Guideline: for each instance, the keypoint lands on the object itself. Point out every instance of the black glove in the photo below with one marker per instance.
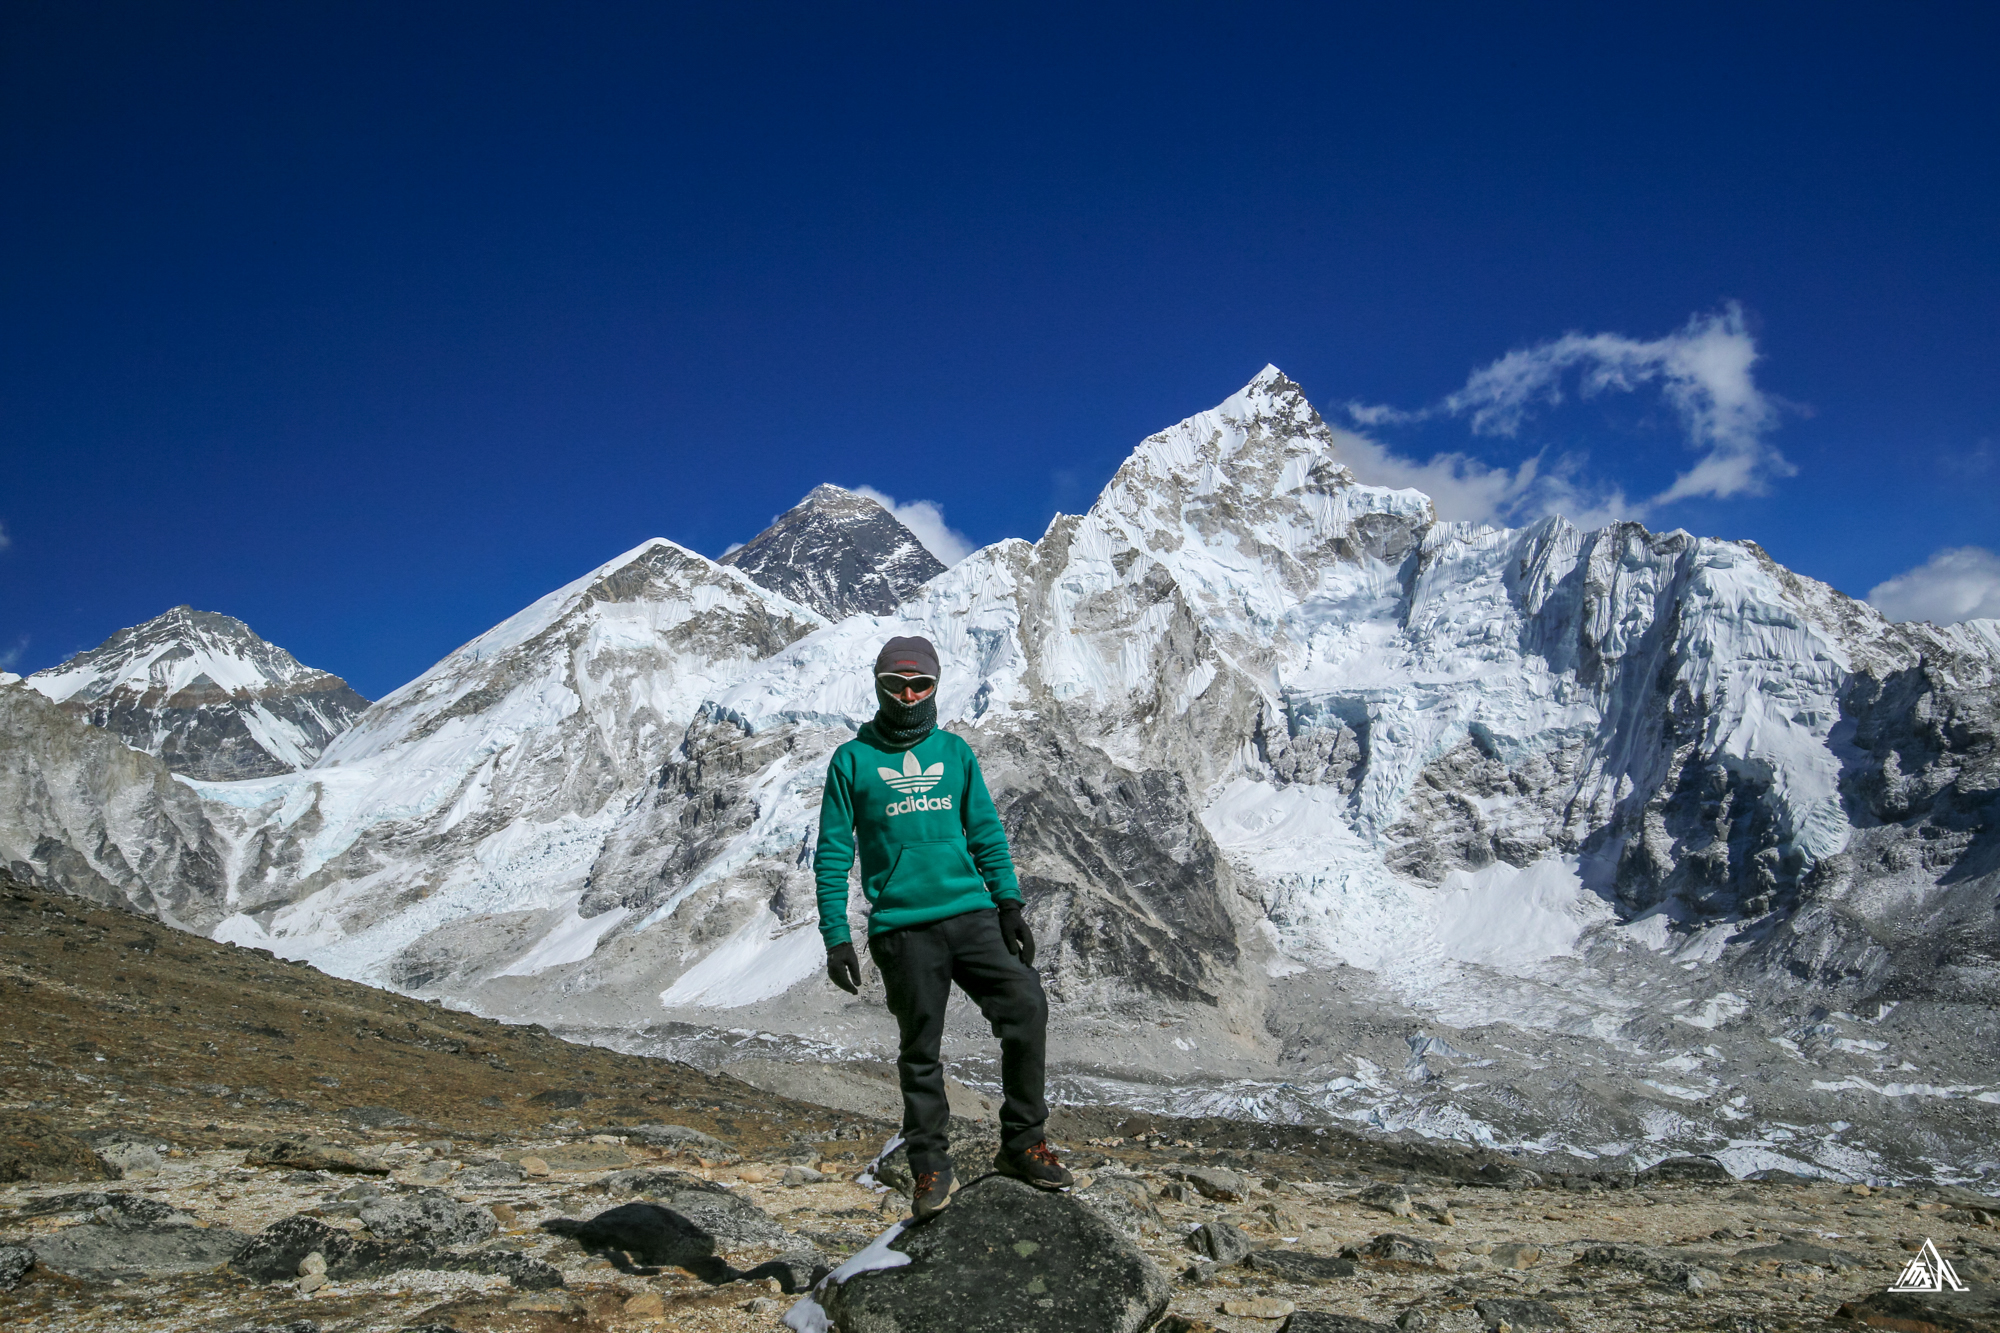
(843, 969)
(1014, 930)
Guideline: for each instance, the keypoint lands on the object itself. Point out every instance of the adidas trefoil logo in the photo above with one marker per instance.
(913, 778)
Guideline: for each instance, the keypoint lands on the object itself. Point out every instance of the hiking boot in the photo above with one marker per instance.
(933, 1192)
(1038, 1165)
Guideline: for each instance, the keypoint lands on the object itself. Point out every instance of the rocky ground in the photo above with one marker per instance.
(197, 1137)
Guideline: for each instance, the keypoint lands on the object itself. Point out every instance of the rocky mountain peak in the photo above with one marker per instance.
(205, 693)
(839, 553)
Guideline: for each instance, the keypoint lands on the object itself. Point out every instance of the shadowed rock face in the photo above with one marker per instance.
(839, 553)
(204, 693)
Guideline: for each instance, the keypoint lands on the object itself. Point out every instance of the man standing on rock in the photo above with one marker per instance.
(944, 906)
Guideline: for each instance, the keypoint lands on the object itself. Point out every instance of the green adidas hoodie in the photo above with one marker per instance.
(931, 841)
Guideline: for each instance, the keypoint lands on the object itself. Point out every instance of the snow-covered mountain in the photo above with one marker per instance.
(204, 693)
(838, 553)
(1620, 841)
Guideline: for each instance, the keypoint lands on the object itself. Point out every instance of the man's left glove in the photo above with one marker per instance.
(843, 969)
(1015, 933)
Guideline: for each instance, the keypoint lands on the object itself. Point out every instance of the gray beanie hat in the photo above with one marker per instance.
(910, 656)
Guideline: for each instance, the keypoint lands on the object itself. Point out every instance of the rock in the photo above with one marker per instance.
(1508, 1177)
(1515, 1255)
(1006, 1258)
(1258, 1307)
(129, 1155)
(1686, 1170)
(1180, 1323)
(311, 1282)
(377, 1117)
(571, 1157)
(312, 1155)
(135, 1249)
(971, 1157)
(32, 1148)
(524, 1273)
(427, 1217)
(493, 1171)
(655, 1180)
(646, 1303)
(1974, 1311)
(15, 1261)
(1124, 1202)
(1220, 1241)
(1801, 1252)
(795, 1272)
(312, 1263)
(674, 1136)
(1514, 1313)
(434, 1172)
(1396, 1248)
(275, 1253)
(1319, 1321)
(801, 1175)
(1675, 1272)
(561, 1099)
(112, 1209)
(1391, 1199)
(1215, 1182)
(1299, 1266)
(533, 1166)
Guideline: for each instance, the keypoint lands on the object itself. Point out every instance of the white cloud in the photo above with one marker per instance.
(13, 655)
(1958, 583)
(925, 520)
(1703, 370)
(1463, 489)
(5, 540)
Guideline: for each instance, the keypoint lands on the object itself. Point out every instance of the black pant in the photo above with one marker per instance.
(918, 965)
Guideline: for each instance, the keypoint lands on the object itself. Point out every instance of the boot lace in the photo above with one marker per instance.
(928, 1181)
(1043, 1155)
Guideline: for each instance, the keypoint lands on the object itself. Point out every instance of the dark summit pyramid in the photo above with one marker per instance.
(839, 553)
(206, 694)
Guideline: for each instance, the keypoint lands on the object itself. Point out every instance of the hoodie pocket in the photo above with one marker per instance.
(926, 874)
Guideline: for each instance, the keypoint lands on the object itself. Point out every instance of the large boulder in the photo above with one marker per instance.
(427, 1217)
(15, 1261)
(684, 1223)
(1005, 1258)
(1125, 1203)
(102, 1251)
(274, 1255)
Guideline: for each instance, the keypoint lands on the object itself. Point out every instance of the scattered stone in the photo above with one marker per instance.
(427, 1217)
(434, 1172)
(15, 1261)
(674, 1136)
(275, 1253)
(1673, 1170)
(571, 1157)
(1215, 1182)
(1180, 1323)
(32, 1148)
(533, 1166)
(1299, 1266)
(1319, 1321)
(795, 1272)
(1258, 1307)
(488, 1173)
(376, 1117)
(1391, 1199)
(1395, 1248)
(312, 1155)
(112, 1209)
(1006, 1258)
(1221, 1242)
(801, 1175)
(127, 1153)
(1123, 1201)
(311, 1264)
(1499, 1312)
(1675, 1272)
(135, 1249)
(645, 1303)
(562, 1099)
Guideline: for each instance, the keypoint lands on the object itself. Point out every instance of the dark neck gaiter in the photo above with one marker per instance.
(902, 725)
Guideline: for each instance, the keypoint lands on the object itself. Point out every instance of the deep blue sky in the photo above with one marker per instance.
(371, 323)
